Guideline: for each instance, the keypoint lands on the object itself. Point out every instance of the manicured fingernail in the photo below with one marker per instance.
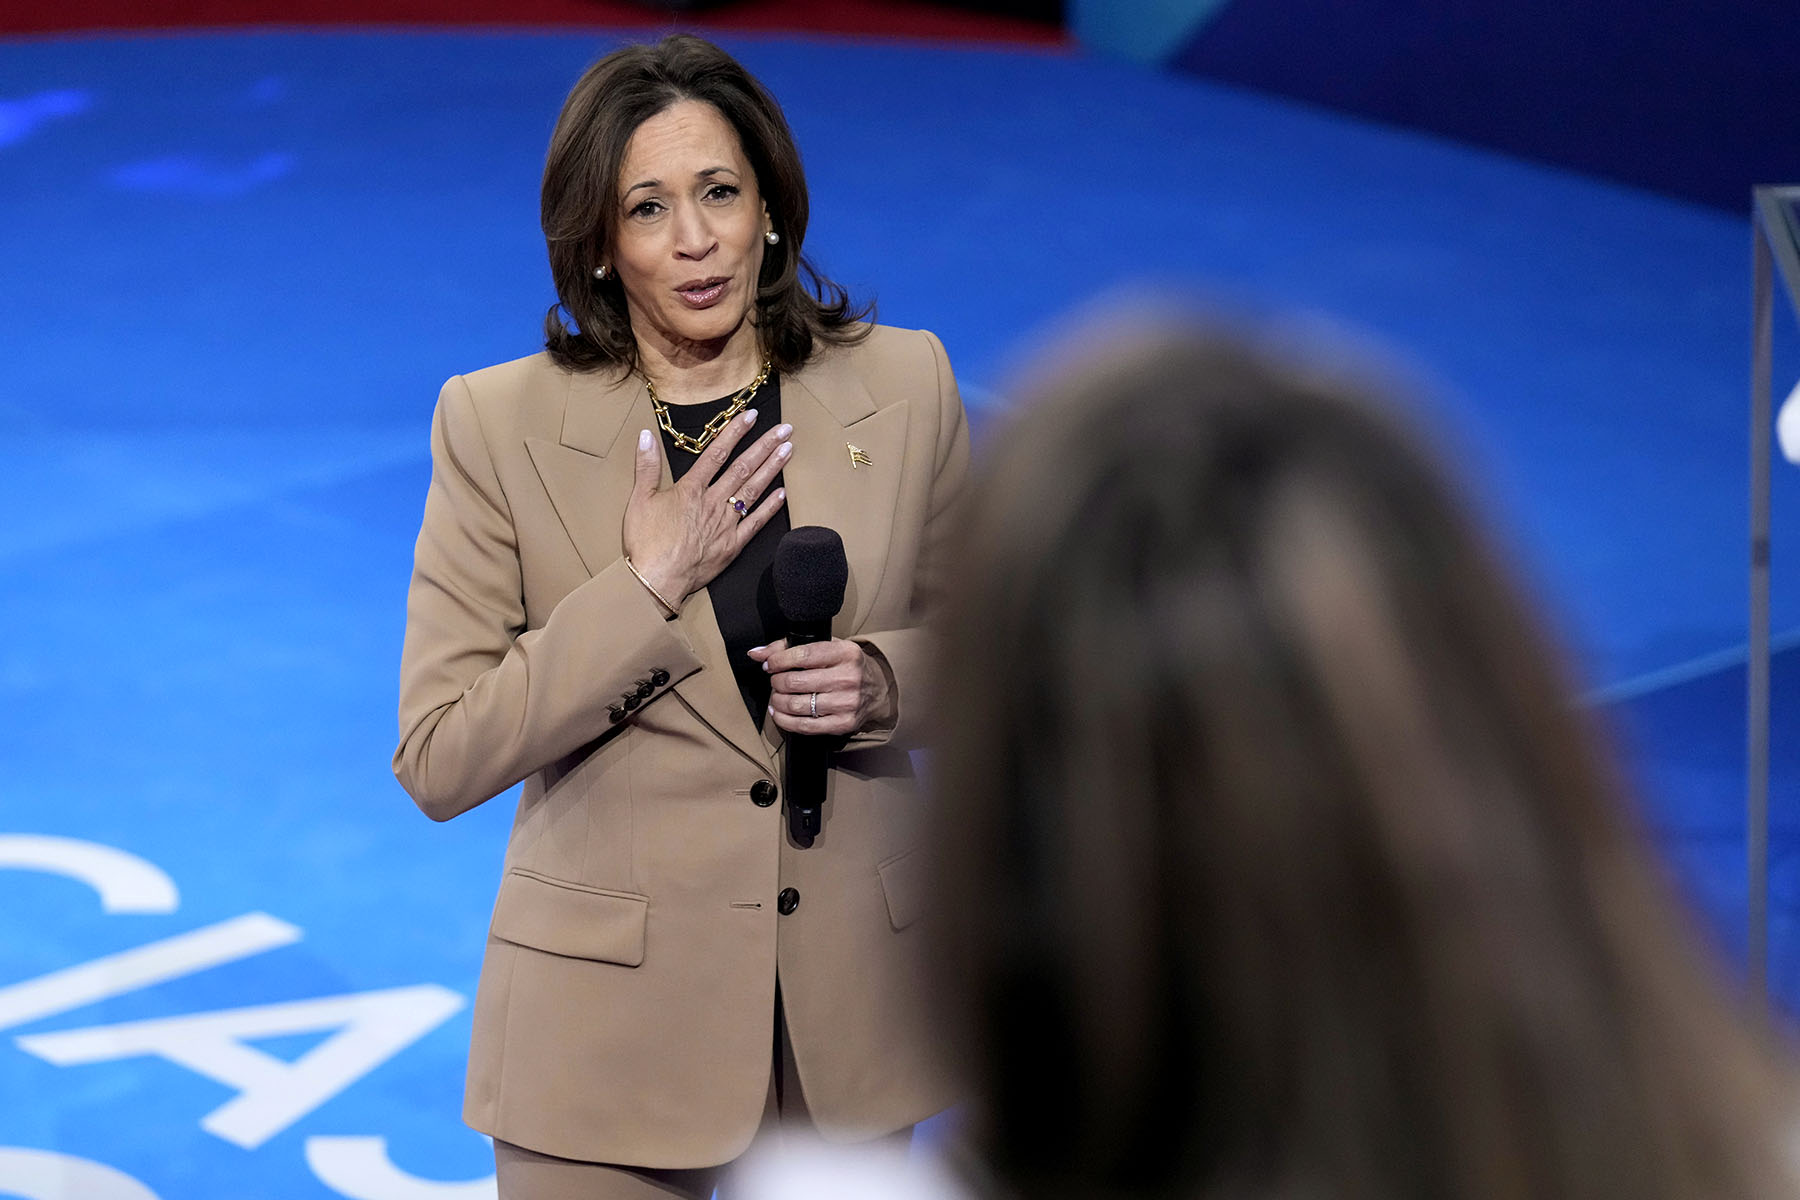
(757, 649)
(750, 417)
(765, 665)
(784, 431)
(785, 449)
(643, 439)
(781, 493)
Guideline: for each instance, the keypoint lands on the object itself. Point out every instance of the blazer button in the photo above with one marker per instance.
(659, 677)
(631, 701)
(645, 690)
(763, 793)
(788, 901)
(616, 712)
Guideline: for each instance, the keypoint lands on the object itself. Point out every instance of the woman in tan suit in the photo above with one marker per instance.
(590, 613)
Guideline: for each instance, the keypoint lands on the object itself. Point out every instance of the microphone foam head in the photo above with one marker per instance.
(810, 574)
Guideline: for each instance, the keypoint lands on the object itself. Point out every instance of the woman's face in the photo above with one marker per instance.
(689, 241)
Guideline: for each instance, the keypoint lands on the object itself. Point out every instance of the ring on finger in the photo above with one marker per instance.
(815, 704)
(738, 507)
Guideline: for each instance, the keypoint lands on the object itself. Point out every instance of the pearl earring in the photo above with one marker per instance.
(771, 237)
(600, 271)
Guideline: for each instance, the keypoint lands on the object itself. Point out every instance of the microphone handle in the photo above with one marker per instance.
(807, 757)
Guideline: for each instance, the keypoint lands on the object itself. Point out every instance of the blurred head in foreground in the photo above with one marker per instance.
(1285, 865)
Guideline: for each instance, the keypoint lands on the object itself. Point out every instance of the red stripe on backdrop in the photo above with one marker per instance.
(903, 18)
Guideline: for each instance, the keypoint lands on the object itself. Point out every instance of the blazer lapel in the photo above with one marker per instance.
(845, 471)
(588, 475)
(588, 470)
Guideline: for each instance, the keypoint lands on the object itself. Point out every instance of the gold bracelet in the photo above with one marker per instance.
(673, 611)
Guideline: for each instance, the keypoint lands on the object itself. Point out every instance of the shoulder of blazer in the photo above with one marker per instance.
(534, 372)
(894, 364)
(528, 397)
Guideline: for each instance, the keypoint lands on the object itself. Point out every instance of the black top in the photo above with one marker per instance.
(743, 594)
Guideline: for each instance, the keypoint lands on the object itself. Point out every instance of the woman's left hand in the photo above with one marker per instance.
(849, 687)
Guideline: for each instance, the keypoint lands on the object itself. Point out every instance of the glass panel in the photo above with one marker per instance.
(1781, 222)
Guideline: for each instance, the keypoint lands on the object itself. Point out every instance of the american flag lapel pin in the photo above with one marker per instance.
(858, 457)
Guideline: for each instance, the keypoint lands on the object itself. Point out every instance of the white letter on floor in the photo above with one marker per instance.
(130, 970)
(125, 882)
(47, 1175)
(272, 1093)
(359, 1167)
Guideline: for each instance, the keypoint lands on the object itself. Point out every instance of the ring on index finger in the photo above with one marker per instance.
(738, 507)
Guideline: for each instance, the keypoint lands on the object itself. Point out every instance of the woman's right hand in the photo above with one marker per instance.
(679, 538)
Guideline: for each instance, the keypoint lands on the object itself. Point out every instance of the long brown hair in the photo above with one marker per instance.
(796, 306)
(1283, 865)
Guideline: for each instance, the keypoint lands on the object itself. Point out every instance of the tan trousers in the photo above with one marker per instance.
(527, 1175)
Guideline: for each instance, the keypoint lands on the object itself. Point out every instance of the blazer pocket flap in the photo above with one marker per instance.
(906, 883)
(571, 919)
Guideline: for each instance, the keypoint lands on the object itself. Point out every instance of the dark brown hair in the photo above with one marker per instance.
(796, 306)
(1283, 864)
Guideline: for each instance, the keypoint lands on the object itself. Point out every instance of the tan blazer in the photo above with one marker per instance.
(625, 1010)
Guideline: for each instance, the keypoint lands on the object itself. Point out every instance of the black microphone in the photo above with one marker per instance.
(809, 574)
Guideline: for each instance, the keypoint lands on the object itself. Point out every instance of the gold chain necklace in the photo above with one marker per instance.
(694, 445)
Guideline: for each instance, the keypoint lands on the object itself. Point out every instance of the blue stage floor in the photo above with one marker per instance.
(235, 271)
